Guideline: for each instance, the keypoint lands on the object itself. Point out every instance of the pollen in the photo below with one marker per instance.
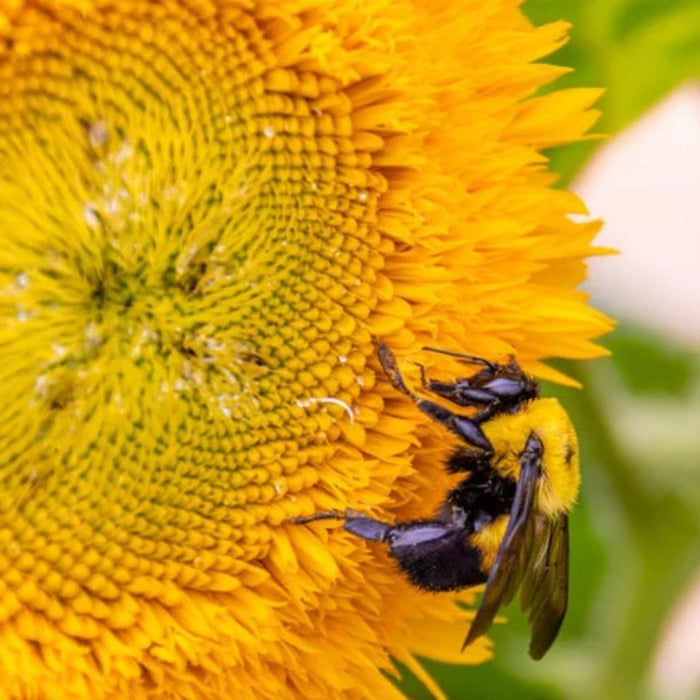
(210, 213)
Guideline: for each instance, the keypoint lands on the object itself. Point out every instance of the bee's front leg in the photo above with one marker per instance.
(467, 429)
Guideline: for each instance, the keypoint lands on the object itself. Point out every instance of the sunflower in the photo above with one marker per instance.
(210, 212)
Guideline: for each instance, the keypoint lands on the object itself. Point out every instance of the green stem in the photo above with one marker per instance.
(663, 534)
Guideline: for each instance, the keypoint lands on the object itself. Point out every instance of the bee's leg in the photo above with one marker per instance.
(460, 392)
(434, 554)
(502, 385)
(368, 528)
(361, 525)
(391, 369)
(465, 428)
(447, 390)
(493, 389)
(407, 533)
(481, 389)
(323, 515)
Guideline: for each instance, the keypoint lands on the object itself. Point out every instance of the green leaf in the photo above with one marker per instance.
(639, 50)
(651, 365)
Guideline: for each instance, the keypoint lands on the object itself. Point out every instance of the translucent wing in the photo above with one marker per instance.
(513, 559)
(533, 556)
(546, 584)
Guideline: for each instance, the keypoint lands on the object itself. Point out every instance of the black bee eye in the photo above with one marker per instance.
(569, 452)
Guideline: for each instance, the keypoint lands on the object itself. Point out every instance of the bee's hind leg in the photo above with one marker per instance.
(361, 525)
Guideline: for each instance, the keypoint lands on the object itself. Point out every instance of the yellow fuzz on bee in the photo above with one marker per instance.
(546, 418)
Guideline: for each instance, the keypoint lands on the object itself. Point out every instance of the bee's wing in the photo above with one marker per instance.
(512, 559)
(545, 586)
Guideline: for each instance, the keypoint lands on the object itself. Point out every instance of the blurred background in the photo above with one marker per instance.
(633, 626)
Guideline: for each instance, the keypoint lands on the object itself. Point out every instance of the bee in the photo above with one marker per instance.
(506, 523)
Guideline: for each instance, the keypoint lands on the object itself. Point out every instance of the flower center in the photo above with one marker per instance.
(188, 256)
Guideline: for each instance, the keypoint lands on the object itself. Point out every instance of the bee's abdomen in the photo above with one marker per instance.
(446, 564)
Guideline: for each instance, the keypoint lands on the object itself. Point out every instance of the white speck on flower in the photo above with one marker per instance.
(22, 280)
(171, 193)
(214, 345)
(342, 359)
(59, 351)
(148, 335)
(40, 385)
(92, 335)
(362, 195)
(112, 206)
(305, 403)
(90, 215)
(98, 133)
(186, 259)
(123, 154)
(22, 314)
(268, 132)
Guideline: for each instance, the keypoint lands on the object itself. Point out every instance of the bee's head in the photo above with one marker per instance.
(547, 418)
(560, 458)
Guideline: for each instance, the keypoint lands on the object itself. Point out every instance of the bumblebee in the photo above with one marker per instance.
(506, 523)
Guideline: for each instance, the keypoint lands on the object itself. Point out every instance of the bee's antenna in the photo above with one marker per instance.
(462, 357)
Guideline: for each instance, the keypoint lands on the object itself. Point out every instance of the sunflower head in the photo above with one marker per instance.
(210, 212)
